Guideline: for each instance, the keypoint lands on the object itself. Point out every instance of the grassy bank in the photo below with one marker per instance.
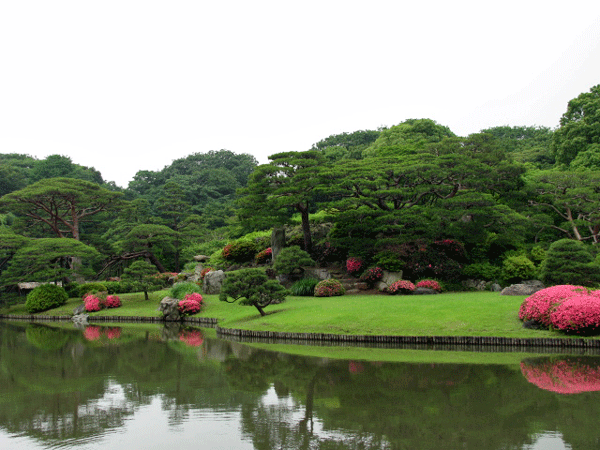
(448, 314)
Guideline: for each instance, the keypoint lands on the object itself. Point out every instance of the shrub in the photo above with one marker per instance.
(389, 260)
(401, 287)
(304, 287)
(92, 303)
(569, 262)
(191, 304)
(112, 301)
(291, 259)
(482, 271)
(86, 288)
(329, 288)
(45, 297)
(204, 271)
(264, 257)
(579, 314)
(239, 251)
(179, 290)
(430, 284)
(372, 275)
(540, 305)
(518, 268)
(354, 265)
(538, 254)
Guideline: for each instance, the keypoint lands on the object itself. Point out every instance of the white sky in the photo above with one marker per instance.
(128, 85)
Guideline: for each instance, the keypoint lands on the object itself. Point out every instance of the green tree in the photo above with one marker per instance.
(144, 273)
(57, 166)
(252, 287)
(579, 129)
(346, 145)
(569, 262)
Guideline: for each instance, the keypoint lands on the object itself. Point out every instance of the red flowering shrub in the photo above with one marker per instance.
(430, 284)
(353, 265)
(92, 333)
(239, 251)
(192, 338)
(204, 272)
(540, 305)
(112, 301)
(191, 304)
(264, 256)
(372, 275)
(329, 288)
(401, 287)
(92, 303)
(579, 314)
(564, 376)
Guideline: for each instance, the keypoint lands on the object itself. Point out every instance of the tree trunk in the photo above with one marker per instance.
(305, 227)
(260, 310)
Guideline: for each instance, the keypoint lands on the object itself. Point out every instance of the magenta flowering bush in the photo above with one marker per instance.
(430, 284)
(579, 314)
(329, 288)
(191, 304)
(353, 265)
(372, 275)
(564, 376)
(264, 256)
(112, 301)
(92, 303)
(540, 305)
(401, 287)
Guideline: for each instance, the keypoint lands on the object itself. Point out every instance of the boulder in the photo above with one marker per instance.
(495, 287)
(387, 279)
(277, 241)
(201, 258)
(424, 291)
(525, 288)
(474, 285)
(213, 281)
(169, 307)
(79, 310)
(80, 320)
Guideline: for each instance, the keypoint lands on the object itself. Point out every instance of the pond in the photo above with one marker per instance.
(151, 387)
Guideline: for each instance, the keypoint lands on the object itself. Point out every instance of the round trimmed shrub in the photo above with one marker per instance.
(539, 306)
(518, 268)
(112, 301)
(91, 287)
(329, 288)
(181, 289)
(354, 265)
(569, 262)
(240, 251)
(430, 284)
(304, 287)
(291, 259)
(401, 287)
(191, 304)
(579, 314)
(45, 297)
(372, 275)
(92, 303)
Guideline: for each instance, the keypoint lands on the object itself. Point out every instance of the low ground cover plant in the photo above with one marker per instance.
(181, 289)
(329, 288)
(304, 287)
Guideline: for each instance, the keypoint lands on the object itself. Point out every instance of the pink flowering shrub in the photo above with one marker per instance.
(191, 304)
(329, 288)
(112, 301)
(579, 314)
(564, 376)
(192, 338)
(264, 256)
(401, 287)
(372, 275)
(92, 303)
(354, 265)
(430, 284)
(540, 305)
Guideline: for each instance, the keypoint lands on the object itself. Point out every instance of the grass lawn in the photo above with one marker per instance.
(448, 314)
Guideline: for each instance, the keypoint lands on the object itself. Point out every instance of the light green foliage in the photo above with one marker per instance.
(291, 259)
(482, 271)
(538, 254)
(85, 288)
(304, 287)
(518, 268)
(144, 273)
(45, 297)
(252, 287)
(181, 289)
(346, 145)
(45, 337)
(569, 262)
(529, 145)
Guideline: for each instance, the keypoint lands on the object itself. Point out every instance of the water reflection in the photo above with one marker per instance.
(147, 386)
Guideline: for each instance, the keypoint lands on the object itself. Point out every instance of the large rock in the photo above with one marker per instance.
(387, 279)
(277, 242)
(424, 291)
(201, 258)
(169, 307)
(213, 281)
(525, 288)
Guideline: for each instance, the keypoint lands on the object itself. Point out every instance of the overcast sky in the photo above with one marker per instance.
(128, 85)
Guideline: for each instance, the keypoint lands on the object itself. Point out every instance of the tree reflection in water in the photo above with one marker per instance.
(60, 389)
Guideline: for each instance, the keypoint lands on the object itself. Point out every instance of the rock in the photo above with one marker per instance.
(474, 285)
(80, 320)
(525, 288)
(277, 241)
(79, 310)
(387, 279)
(316, 272)
(169, 308)
(424, 291)
(212, 282)
(201, 258)
(495, 287)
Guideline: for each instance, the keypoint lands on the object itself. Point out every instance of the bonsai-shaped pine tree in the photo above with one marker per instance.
(144, 273)
(252, 287)
(569, 262)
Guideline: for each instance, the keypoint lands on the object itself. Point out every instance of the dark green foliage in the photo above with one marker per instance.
(389, 260)
(304, 287)
(291, 259)
(252, 287)
(45, 297)
(569, 262)
(181, 289)
(482, 271)
(144, 273)
(240, 251)
(91, 287)
(122, 287)
(518, 268)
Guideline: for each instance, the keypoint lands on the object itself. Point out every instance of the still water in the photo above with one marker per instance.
(149, 387)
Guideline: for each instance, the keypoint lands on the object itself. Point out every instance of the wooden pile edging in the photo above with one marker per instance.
(204, 321)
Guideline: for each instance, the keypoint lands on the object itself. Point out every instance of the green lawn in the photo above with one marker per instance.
(449, 314)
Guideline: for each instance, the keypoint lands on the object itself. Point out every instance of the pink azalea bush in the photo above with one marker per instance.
(264, 256)
(372, 275)
(329, 288)
(92, 303)
(353, 265)
(401, 287)
(579, 314)
(112, 301)
(430, 284)
(565, 376)
(191, 304)
(540, 305)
